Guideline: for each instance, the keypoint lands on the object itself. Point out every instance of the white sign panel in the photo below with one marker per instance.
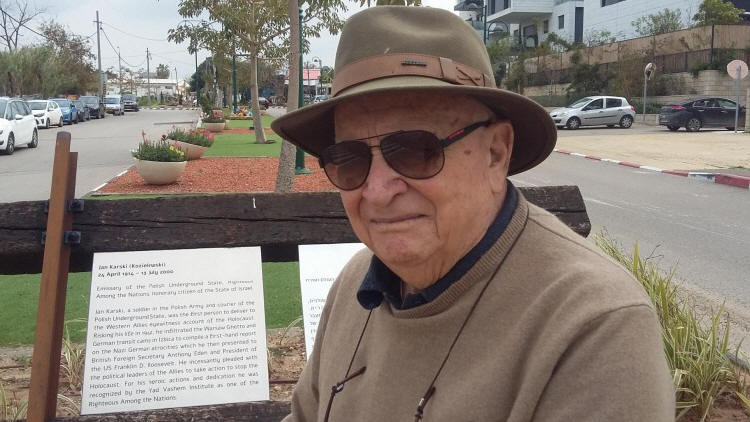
(175, 328)
(319, 265)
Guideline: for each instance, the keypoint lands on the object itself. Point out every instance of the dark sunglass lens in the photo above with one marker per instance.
(414, 154)
(347, 164)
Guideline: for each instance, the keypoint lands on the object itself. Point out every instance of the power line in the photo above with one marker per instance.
(133, 35)
(115, 50)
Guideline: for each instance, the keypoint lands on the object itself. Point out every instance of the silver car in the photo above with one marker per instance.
(595, 111)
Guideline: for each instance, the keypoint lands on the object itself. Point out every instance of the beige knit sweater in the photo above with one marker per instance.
(560, 334)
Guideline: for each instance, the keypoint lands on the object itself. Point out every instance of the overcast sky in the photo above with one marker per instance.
(135, 25)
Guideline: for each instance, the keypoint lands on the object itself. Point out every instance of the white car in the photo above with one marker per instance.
(113, 104)
(46, 113)
(17, 125)
(595, 111)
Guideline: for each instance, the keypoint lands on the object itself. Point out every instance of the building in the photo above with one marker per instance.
(532, 21)
(158, 88)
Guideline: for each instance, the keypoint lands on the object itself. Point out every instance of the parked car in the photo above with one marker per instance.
(95, 106)
(68, 109)
(46, 113)
(263, 102)
(17, 125)
(697, 113)
(129, 102)
(84, 114)
(595, 111)
(113, 104)
(320, 98)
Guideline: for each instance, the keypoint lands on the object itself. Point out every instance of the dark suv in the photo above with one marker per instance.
(129, 102)
(699, 113)
(95, 106)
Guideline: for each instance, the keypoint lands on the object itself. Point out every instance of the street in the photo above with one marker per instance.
(103, 148)
(702, 228)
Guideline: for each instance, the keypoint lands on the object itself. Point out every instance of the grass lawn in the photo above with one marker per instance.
(20, 298)
(243, 145)
(238, 124)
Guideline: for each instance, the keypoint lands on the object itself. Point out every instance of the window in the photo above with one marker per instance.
(595, 105)
(610, 2)
(700, 103)
(545, 26)
(614, 102)
(726, 104)
(26, 108)
(561, 22)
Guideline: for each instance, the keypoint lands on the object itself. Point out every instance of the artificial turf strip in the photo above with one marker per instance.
(243, 145)
(19, 302)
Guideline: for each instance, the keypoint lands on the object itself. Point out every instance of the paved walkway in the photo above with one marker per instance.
(705, 150)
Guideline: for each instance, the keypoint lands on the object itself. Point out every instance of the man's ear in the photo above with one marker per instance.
(501, 147)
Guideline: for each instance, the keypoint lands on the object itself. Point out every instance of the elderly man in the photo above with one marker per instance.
(470, 304)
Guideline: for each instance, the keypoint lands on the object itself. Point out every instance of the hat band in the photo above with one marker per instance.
(400, 64)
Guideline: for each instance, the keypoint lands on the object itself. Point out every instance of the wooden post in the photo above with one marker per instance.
(45, 364)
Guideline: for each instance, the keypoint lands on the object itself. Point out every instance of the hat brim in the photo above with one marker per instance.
(312, 127)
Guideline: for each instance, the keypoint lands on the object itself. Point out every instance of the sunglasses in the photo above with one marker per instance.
(416, 154)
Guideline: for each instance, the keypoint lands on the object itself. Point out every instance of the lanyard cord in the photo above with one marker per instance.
(340, 385)
(431, 388)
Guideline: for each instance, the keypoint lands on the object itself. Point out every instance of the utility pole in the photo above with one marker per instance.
(176, 84)
(99, 56)
(148, 76)
(119, 60)
(234, 82)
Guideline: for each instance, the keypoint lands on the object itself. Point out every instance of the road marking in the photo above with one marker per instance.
(609, 160)
(99, 187)
(652, 168)
(596, 201)
(577, 154)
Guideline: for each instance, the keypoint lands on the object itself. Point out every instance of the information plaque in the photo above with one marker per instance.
(175, 328)
(319, 265)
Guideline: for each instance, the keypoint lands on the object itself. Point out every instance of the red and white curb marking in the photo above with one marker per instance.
(720, 178)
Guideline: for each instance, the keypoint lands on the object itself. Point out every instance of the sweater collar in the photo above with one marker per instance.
(380, 282)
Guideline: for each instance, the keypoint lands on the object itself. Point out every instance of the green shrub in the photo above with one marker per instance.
(189, 137)
(651, 108)
(551, 100)
(160, 150)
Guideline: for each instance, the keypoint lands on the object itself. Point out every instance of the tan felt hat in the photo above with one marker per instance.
(407, 49)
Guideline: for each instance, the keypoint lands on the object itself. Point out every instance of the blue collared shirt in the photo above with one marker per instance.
(380, 282)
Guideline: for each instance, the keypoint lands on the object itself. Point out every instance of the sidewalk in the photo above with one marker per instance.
(704, 151)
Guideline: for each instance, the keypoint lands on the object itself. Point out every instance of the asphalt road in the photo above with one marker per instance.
(701, 228)
(103, 151)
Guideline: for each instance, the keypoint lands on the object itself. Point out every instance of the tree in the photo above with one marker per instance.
(717, 12)
(162, 71)
(14, 17)
(587, 79)
(668, 20)
(74, 55)
(392, 2)
(258, 29)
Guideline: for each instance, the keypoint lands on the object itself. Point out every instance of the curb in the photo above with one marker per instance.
(720, 178)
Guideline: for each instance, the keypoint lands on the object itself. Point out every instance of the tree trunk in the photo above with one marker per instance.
(260, 136)
(285, 175)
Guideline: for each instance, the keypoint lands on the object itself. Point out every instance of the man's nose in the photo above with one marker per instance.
(383, 183)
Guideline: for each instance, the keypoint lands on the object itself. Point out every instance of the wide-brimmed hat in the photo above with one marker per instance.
(406, 49)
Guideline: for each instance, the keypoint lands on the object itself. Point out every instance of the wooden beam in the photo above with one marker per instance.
(276, 222)
(45, 363)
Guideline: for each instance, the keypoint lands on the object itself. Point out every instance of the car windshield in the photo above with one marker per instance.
(580, 103)
(111, 101)
(128, 97)
(62, 103)
(3, 103)
(78, 103)
(90, 100)
(38, 105)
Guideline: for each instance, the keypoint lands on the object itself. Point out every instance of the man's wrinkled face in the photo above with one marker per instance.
(435, 221)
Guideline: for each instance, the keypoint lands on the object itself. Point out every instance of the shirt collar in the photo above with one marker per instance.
(380, 282)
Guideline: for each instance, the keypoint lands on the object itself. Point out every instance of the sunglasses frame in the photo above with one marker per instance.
(444, 143)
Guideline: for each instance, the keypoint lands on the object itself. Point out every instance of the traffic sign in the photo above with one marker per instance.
(737, 69)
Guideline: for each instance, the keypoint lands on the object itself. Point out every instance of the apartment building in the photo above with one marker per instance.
(531, 21)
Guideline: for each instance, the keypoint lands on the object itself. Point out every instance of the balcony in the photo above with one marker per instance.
(523, 10)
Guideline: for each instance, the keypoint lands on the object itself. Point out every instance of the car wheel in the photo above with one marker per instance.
(11, 145)
(74, 121)
(693, 125)
(46, 124)
(573, 123)
(626, 122)
(61, 122)
(673, 128)
(34, 140)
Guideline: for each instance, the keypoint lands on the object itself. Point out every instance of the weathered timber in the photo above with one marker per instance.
(276, 222)
(268, 411)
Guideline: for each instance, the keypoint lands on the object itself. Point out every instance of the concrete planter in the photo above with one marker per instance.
(159, 172)
(214, 127)
(193, 152)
